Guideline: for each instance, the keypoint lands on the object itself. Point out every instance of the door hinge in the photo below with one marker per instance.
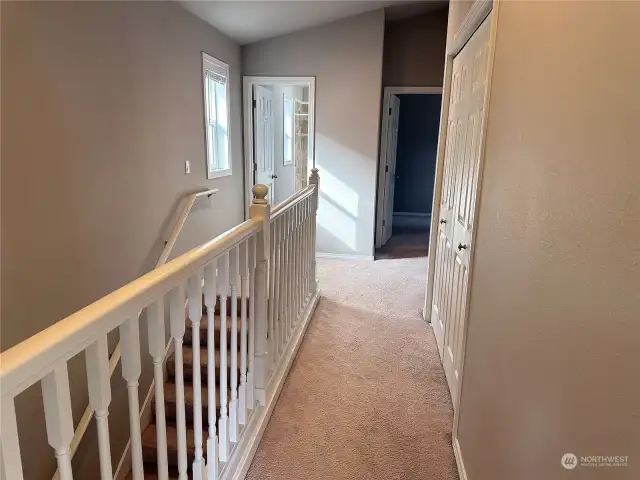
(386, 168)
(254, 103)
(390, 108)
(383, 223)
(255, 167)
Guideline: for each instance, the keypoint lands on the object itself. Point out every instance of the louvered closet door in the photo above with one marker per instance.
(462, 157)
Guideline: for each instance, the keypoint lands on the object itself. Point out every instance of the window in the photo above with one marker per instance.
(288, 131)
(216, 116)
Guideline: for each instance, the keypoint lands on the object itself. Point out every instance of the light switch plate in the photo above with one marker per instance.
(187, 167)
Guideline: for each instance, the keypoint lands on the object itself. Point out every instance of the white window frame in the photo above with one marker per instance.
(219, 67)
(285, 99)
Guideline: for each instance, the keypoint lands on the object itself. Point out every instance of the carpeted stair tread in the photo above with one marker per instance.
(170, 402)
(204, 327)
(187, 353)
(150, 445)
(217, 309)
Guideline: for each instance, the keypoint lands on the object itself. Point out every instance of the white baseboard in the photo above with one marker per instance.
(237, 467)
(462, 473)
(343, 256)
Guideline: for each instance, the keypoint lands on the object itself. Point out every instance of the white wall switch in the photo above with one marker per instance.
(187, 167)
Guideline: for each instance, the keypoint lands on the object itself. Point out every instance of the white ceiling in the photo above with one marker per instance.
(252, 21)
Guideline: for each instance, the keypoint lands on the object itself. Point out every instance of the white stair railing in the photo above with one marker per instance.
(256, 373)
(156, 354)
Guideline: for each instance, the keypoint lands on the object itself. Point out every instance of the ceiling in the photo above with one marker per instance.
(251, 21)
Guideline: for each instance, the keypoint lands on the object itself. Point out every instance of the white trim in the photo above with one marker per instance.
(476, 15)
(221, 68)
(343, 256)
(474, 18)
(237, 467)
(247, 114)
(457, 453)
(382, 158)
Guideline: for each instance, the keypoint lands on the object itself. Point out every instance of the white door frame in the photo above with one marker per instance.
(384, 133)
(474, 18)
(247, 113)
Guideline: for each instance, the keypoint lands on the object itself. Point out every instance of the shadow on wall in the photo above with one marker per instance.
(345, 220)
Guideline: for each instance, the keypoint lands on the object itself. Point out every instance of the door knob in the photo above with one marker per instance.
(462, 247)
(274, 176)
(442, 222)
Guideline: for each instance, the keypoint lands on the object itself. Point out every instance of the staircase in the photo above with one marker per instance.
(149, 435)
(243, 300)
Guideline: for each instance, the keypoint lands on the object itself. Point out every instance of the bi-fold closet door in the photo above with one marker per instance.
(458, 200)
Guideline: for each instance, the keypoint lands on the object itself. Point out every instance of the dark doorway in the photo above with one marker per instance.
(415, 173)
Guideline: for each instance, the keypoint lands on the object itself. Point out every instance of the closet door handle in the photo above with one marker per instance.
(462, 247)
(274, 176)
(442, 222)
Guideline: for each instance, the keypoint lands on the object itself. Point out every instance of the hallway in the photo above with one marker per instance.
(366, 397)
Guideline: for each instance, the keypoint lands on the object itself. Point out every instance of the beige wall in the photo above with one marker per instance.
(553, 344)
(101, 106)
(346, 59)
(414, 51)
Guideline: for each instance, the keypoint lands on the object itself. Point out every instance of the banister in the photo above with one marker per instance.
(292, 200)
(114, 359)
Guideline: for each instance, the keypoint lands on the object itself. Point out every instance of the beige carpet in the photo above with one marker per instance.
(366, 397)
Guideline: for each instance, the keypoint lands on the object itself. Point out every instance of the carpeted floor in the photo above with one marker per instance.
(366, 397)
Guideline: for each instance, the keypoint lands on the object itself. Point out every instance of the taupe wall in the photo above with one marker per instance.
(553, 344)
(346, 59)
(101, 106)
(414, 51)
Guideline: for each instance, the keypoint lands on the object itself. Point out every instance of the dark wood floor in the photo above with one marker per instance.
(405, 243)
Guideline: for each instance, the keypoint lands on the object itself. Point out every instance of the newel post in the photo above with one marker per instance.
(314, 179)
(260, 209)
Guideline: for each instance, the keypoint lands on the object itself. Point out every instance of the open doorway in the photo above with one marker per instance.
(408, 150)
(278, 134)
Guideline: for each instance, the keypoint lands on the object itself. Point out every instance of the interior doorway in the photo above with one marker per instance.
(408, 153)
(279, 134)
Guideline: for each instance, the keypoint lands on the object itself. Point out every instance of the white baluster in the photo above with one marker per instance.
(58, 417)
(314, 178)
(156, 334)
(310, 254)
(194, 294)
(305, 254)
(210, 284)
(260, 209)
(294, 261)
(272, 333)
(298, 260)
(289, 279)
(223, 422)
(277, 272)
(10, 446)
(233, 404)
(286, 263)
(242, 391)
(131, 369)
(178, 327)
(99, 383)
(251, 399)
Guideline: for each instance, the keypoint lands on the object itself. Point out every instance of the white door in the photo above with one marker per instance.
(457, 209)
(390, 168)
(264, 139)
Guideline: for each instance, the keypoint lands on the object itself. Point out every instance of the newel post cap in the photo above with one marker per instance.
(260, 193)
